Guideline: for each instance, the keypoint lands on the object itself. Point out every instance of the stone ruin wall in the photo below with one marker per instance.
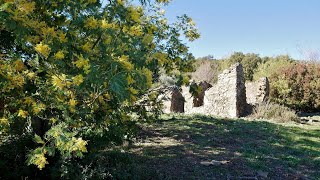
(229, 97)
(258, 91)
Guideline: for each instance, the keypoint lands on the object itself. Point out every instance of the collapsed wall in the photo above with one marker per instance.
(227, 98)
(258, 91)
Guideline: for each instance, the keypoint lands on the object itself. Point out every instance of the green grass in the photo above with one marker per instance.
(173, 147)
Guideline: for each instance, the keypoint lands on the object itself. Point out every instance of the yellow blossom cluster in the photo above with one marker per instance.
(62, 37)
(77, 80)
(106, 25)
(16, 80)
(59, 81)
(31, 75)
(53, 120)
(11, 70)
(59, 55)
(148, 75)
(26, 6)
(48, 32)
(73, 102)
(38, 107)
(134, 14)
(43, 49)
(133, 93)
(28, 100)
(124, 60)
(121, 2)
(33, 39)
(83, 63)
(23, 113)
(133, 30)
(40, 160)
(72, 105)
(161, 57)
(72, 145)
(91, 23)
(4, 121)
(79, 145)
(130, 80)
(87, 47)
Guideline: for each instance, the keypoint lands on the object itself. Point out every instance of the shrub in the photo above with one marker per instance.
(270, 66)
(272, 111)
(297, 86)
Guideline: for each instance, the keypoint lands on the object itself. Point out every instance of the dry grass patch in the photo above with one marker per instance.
(273, 111)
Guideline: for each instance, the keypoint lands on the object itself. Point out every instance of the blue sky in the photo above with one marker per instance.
(265, 27)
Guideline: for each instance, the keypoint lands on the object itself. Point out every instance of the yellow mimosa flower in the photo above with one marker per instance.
(87, 47)
(59, 81)
(27, 7)
(4, 121)
(37, 108)
(81, 144)
(22, 113)
(43, 49)
(73, 102)
(91, 23)
(77, 80)
(40, 161)
(59, 55)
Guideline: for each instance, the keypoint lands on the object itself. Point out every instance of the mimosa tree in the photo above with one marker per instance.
(73, 70)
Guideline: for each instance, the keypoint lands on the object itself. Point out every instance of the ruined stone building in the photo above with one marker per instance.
(230, 97)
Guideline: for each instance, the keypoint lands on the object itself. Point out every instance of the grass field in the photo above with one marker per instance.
(175, 146)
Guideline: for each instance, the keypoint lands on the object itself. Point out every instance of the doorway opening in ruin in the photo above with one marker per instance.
(199, 96)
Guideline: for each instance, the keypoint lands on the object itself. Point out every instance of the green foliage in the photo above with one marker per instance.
(270, 66)
(249, 62)
(72, 71)
(195, 89)
(254, 66)
(297, 86)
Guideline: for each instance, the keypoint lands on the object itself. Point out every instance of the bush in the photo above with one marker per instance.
(297, 86)
(276, 112)
(270, 66)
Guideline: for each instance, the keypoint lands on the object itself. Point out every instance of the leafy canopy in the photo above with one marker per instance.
(80, 68)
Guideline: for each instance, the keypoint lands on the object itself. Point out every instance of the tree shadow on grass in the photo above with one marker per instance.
(173, 149)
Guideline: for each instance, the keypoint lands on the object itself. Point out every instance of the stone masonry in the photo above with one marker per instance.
(229, 97)
(258, 92)
(177, 101)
